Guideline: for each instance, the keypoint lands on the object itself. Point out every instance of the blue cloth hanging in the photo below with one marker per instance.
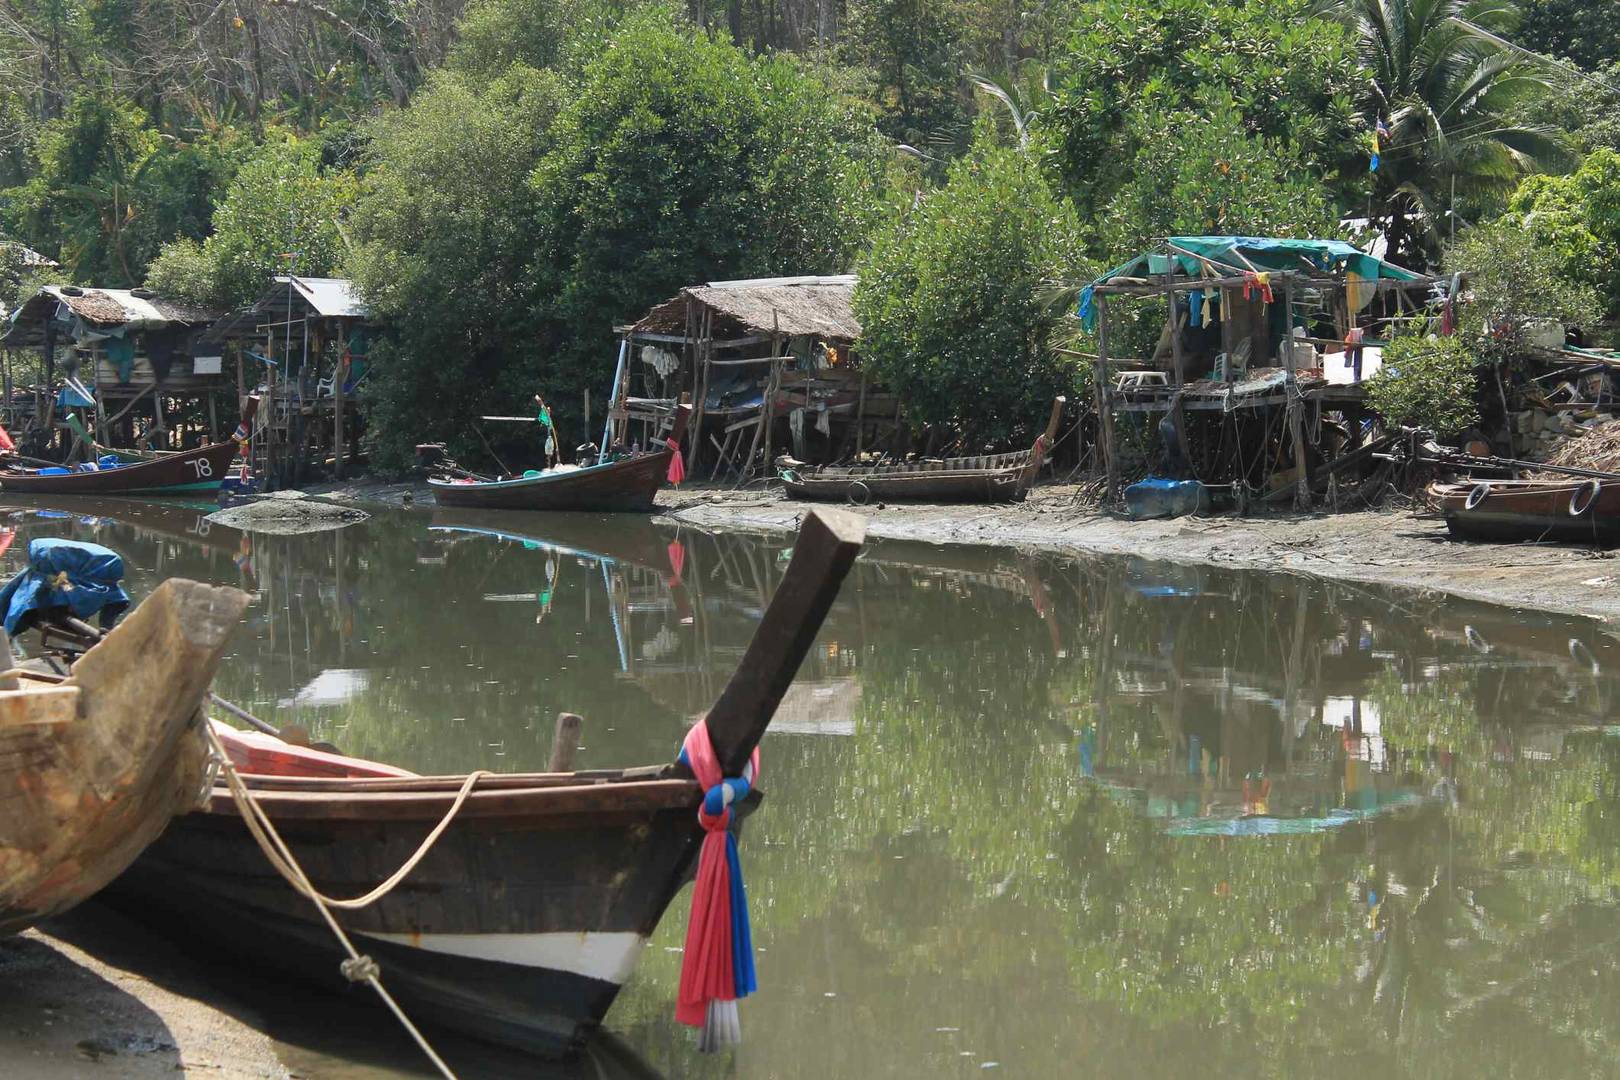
(82, 578)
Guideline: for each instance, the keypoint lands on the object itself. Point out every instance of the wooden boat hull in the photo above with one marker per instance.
(198, 470)
(873, 486)
(531, 956)
(992, 478)
(93, 770)
(1578, 511)
(526, 916)
(627, 486)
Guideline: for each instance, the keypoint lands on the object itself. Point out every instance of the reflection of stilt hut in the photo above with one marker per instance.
(306, 340)
(768, 362)
(1259, 364)
(125, 363)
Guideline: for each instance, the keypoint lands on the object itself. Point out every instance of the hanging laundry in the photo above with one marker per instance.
(1358, 291)
(1380, 133)
(1087, 311)
(121, 351)
(1254, 282)
(161, 346)
(1211, 314)
(1195, 308)
(1352, 350)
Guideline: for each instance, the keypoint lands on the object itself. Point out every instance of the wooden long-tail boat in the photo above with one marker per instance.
(522, 922)
(986, 478)
(1580, 510)
(92, 769)
(199, 470)
(628, 484)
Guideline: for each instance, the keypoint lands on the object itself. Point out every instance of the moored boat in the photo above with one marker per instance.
(627, 484)
(522, 921)
(94, 766)
(1579, 510)
(121, 473)
(985, 478)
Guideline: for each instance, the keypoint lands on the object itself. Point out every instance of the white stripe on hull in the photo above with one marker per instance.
(610, 957)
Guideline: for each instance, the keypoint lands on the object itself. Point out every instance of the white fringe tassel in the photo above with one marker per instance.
(721, 1028)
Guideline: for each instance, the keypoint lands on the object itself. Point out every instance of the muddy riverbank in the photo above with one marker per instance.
(1406, 546)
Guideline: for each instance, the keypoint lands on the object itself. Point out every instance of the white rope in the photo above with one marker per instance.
(358, 967)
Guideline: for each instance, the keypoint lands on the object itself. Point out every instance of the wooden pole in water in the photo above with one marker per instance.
(565, 742)
(1296, 404)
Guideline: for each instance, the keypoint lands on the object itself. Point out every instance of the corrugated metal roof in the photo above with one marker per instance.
(103, 309)
(330, 298)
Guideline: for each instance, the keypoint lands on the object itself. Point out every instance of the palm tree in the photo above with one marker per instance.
(1447, 87)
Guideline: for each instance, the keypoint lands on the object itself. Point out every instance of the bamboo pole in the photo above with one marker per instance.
(1106, 406)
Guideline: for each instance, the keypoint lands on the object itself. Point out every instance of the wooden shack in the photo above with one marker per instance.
(768, 362)
(129, 364)
(303, 345)
(1257, 372)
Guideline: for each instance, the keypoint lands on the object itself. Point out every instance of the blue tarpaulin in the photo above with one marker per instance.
(82, 579)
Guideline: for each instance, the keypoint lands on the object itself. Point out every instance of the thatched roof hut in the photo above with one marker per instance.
(790, 306)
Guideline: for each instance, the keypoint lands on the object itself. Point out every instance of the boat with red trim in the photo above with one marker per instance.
(520, 924)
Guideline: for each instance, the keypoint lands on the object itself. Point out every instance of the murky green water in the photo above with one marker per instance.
(1027, 815)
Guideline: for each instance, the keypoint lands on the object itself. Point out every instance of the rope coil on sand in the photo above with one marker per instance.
(358, 967)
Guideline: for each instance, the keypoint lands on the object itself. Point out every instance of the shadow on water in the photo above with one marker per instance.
(1039, 813)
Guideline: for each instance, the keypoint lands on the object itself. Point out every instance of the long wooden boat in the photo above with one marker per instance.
(94, 768)
(1585, 511)
(629, 484)
(526, 917)
(199, 470)
(986, 478)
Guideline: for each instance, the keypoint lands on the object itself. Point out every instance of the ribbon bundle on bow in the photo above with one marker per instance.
(718, 966)
(677, 466)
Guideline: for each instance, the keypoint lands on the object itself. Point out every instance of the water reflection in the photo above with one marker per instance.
(1053, 815)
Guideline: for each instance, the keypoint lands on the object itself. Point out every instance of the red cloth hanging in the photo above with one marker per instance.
(677, 466)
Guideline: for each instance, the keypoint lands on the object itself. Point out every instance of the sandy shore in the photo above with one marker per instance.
(1404, 547)
(1393, 547)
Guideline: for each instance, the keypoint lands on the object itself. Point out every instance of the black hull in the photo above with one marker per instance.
(540, 1011)
(1517, 527)
(606, 876)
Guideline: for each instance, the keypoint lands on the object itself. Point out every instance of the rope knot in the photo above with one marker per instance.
(360, 969)
(715, 813)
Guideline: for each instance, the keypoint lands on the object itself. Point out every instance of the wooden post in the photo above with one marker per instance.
(213, 417)
(860, 417)
(95, 392)
(9, 659)
(340, 373)
(1296, 404)
(704, 350)
(823, 553)
(1105, 401)
(565, 743)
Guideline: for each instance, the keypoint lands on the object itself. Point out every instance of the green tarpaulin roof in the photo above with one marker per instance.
(1232, 255)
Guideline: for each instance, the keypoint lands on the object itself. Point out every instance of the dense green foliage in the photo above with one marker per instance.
(1517, 279)
(281, 213)
(1427, 382)
(505, 228)
(507, 179)
(1577, 217)
(1448, 96)
(950, 298)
